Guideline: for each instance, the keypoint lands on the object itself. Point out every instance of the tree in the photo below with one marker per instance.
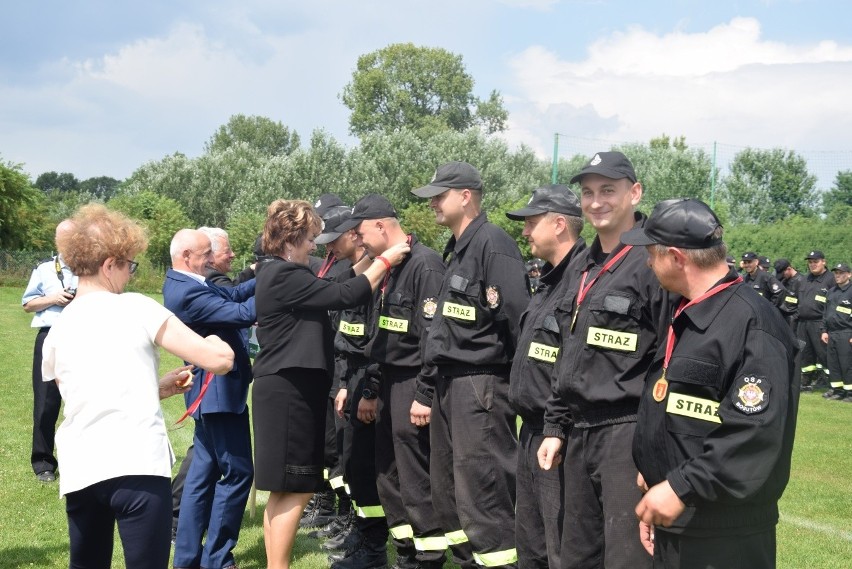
(420, 88)
(260, 133)
(840, 194)
(64, 182)
(102, 187)
(765, 186)
(20, 214)
(162, 217)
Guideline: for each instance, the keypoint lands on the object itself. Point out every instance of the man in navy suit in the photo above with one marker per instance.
(220, 476)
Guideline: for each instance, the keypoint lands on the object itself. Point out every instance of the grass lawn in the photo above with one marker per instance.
(815, 529)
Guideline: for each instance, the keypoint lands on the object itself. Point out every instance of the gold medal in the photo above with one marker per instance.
(661, 388)
(574, 318)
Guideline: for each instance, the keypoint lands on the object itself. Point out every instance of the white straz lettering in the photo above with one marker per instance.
(351, 329)
(819, 298)
(694, 407)
(393, 324)
(459, 311)
(624, 341)
(844, 310)
(543, 352)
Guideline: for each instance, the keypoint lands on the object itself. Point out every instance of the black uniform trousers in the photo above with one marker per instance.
(600, 497)
(839, 354)
(402, 465)
(750, 551)
(360, 465)
(46, 403)
(473, 460)
(814, 357)
(538, 511)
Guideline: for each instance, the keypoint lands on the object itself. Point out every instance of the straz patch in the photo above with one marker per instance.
(612, 339)
(751, 395)
(393, 324)
(693, 407)
(791, 300)
(430, 307)
(543, 352)
(843, 309)
(492, 296)
(351, 329)
(819, 298)
(459, 311)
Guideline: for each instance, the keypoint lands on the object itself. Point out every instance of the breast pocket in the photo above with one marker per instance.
(545, 342)
(396, 315)
(614, 324)
(461, 307)
(692, 403)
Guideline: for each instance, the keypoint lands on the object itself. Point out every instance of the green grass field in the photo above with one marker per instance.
(815, 529)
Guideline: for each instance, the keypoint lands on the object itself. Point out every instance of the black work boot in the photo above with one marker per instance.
(406, 558)
(344, 544)
(373, 554)
(322, 513)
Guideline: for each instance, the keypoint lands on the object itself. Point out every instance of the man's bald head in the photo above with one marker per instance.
(191, 251)
(65, 226)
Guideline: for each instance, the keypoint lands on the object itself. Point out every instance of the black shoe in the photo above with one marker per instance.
(806, 388)
(330, 529)
(837, 394)
(368, 556)
(322, 513)
(828, 394)
(46, 476)
(344, 544)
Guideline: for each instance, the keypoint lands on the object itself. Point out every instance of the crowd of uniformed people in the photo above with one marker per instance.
(628, 402)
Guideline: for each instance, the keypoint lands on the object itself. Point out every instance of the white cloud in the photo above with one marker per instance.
(533, 4)
(726, 84)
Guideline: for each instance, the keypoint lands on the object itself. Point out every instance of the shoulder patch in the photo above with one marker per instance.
(751, 394)
(430, 306)
(492, 296)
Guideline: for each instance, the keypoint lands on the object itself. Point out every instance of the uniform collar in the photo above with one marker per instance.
(457, 246)
(702, 314)
(594, 251)
(551, 275)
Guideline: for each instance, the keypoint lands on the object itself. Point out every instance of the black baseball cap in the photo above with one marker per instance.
(681, 222)
(371, 206)
(334, 217)
(750, 256)
(325, 202)
(451, 176)
(781, 265)
(763, 261)
(842, 267)
(613, 165)
(815, 254)
(554, 197)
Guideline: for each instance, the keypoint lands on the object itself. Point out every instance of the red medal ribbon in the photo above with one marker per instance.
(671, 340)
(195, 404)
(584, 288)
(326, 265)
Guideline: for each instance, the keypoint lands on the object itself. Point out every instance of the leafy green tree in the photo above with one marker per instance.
(102, 187)
(162, 217)
(840, 194)
(243, 229)
(420, 88)
(417, 218)
(64, 182)
(765, 186)
(269, 137)
(21, 216)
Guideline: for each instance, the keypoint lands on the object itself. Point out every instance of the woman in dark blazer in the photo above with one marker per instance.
(293, 371)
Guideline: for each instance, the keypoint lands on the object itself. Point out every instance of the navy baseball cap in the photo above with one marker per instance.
(750, 256)
(326, 202)
(554, 197)
(842, 267)
(815, 254)
(682, 222)
(613, 165)
(781, 265)
(371, 206)
(451, 176)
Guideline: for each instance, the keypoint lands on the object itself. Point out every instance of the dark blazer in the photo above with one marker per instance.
(294, 329)
(224, 312)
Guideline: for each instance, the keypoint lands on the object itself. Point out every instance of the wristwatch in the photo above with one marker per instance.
(368, 394)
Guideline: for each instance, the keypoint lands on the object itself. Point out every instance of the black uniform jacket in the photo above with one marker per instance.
(294, 329)
(484, 291)
(602, 363)
(539, 343)
(404, 313)
(791, 299)
(722, 431)
(768, 287)
(812, 295)
(838, 311)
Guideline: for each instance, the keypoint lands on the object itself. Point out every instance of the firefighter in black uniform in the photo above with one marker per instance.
(812, 297)
(612, 318)
(792, 281)
(837, 334)
(718, 413)
(472, 341)
(552, 224)
(762, 282)
(402, 315)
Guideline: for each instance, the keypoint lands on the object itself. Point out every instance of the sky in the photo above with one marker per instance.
(99, 88)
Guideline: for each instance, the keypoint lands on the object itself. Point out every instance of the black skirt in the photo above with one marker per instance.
(288, 414)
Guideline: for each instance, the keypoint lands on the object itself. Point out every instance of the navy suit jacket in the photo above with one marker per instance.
(213, 309)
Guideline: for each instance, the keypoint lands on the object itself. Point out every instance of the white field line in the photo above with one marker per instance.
(815, 526)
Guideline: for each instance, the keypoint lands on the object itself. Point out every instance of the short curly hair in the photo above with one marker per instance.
(289, 221)
(99, 233)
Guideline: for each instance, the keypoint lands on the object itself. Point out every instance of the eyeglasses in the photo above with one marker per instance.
(133, 266)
